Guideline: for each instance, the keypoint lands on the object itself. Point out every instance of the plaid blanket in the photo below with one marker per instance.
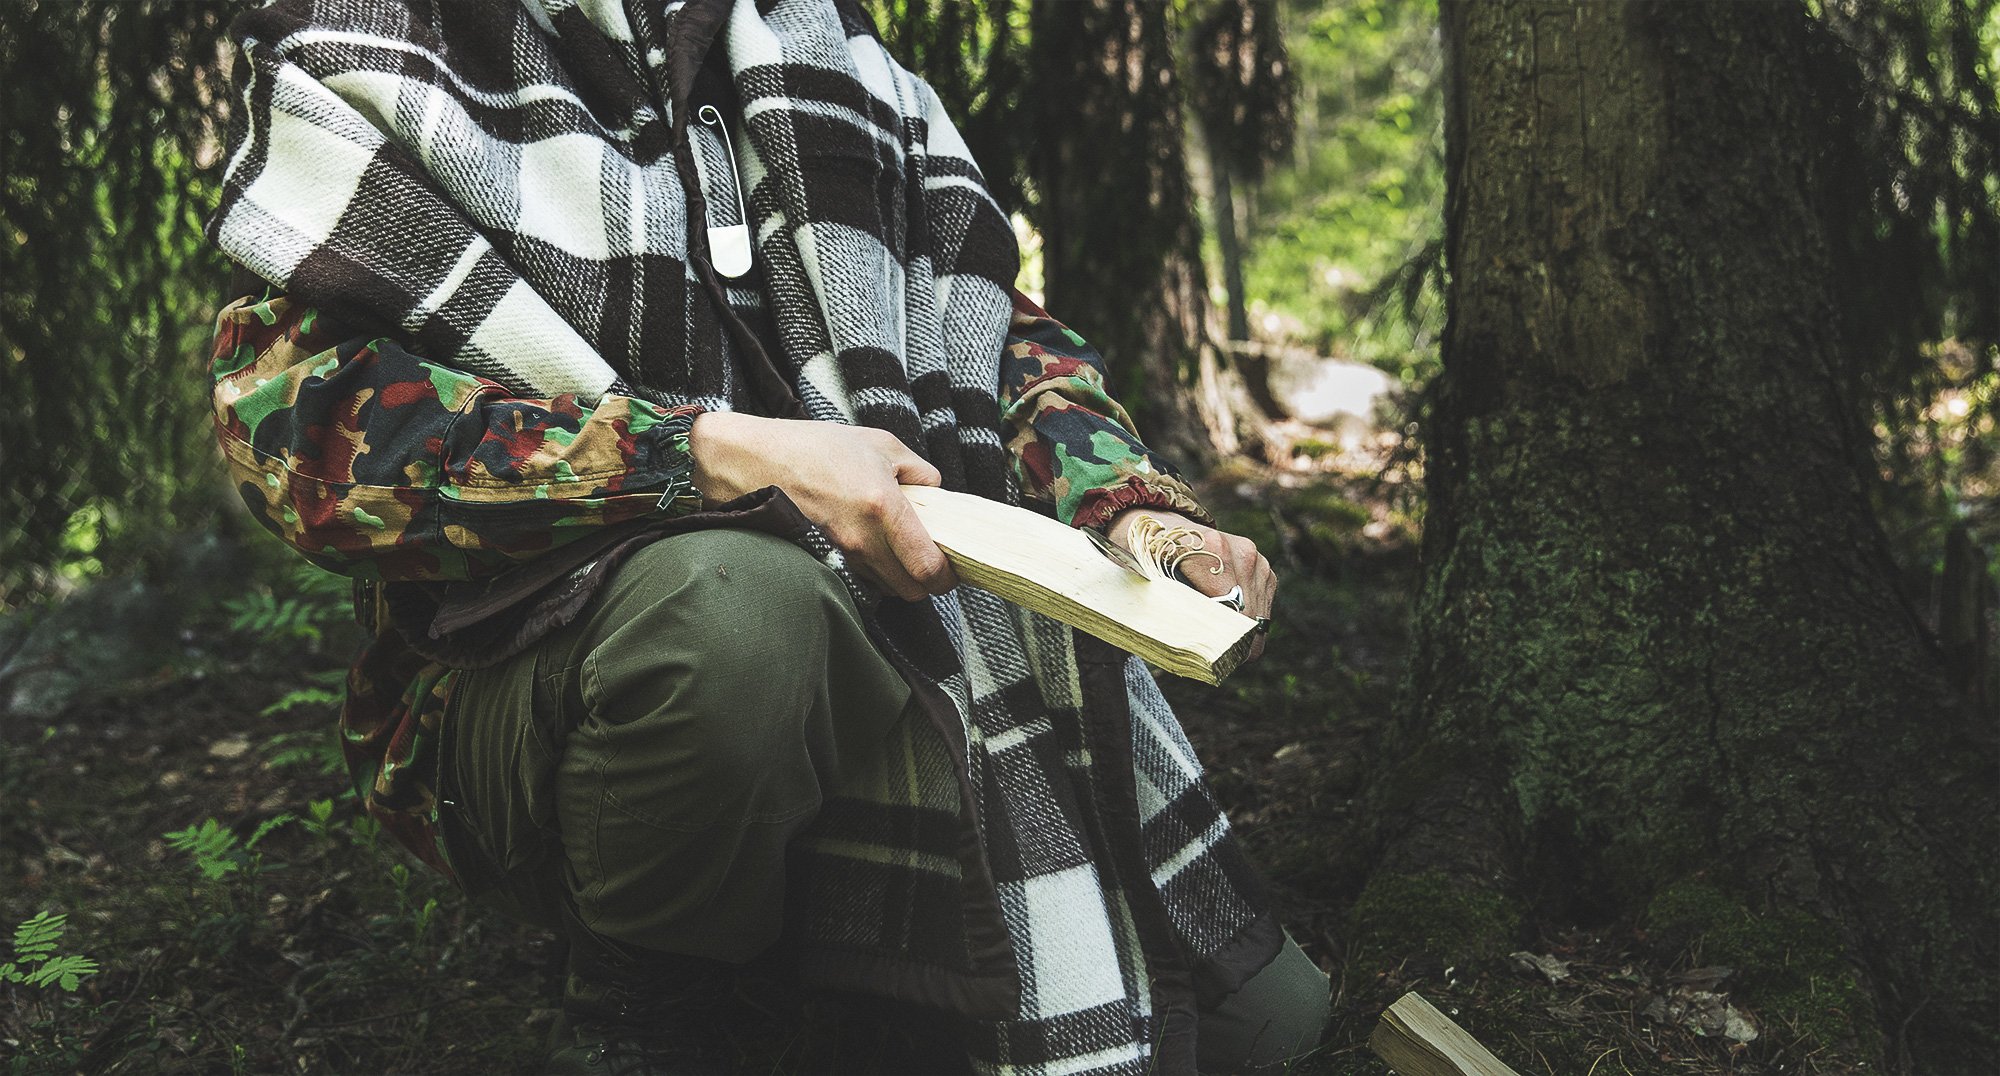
(520, 189)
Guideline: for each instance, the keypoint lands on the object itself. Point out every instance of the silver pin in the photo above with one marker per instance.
(728, 246)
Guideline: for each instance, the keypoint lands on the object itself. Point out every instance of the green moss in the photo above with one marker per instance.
(1790, 966)
(1251, 521)
(1430, 915)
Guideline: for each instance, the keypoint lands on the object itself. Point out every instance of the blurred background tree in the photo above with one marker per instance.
(110, 137)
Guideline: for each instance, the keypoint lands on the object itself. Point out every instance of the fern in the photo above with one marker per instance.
(36, 962)
(312, 598)
(258, 613)
(265, 827)
(328, 688)
(37, 938)
(212, 846)
(317, 749)
(216, 850)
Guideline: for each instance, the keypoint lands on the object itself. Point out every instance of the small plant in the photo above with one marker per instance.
(327, 687)
(236, 868)
(317, 598)
(216, 850)
(36, 962)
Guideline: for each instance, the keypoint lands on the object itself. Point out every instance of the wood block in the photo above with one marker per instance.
(1036, 562)
(1417, 1040)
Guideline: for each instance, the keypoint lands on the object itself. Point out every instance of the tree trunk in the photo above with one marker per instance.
(1120, 240)
(1660, 658)
(1230, 246)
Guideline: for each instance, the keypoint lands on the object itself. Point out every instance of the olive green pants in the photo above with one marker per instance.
(641, 770)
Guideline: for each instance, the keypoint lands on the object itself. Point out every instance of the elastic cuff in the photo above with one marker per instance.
(1100, 506)
(680, 496)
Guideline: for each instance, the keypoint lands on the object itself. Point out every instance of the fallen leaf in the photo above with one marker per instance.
(1553, 970)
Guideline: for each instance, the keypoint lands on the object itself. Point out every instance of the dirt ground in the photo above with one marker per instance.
(290, 937)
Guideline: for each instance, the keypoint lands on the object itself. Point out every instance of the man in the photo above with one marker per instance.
(666, 662)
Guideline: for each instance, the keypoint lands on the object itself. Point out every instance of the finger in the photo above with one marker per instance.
(1260, 590)
(878, 561)
(910, 468)
(1258, 582)
(911, 545)
(1211, 575)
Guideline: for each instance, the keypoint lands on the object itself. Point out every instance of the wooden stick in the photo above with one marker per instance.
(1040, 564)
(1417, 1040)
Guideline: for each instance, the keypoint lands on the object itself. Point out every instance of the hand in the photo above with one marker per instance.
(1241, 564)
(844, 478)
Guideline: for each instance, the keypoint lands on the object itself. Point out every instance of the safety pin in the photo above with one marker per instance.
(729, 245)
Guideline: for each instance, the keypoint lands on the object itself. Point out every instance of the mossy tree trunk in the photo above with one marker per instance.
(1658, 638)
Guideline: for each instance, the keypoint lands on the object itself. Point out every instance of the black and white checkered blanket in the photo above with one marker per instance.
(508, 182)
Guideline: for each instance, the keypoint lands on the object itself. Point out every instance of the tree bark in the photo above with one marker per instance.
(1230, 246)
(1659, 643)
(1120, 239)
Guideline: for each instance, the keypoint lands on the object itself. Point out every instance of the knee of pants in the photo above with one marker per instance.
(724, 672)
(719, 682)
(1280, 1013)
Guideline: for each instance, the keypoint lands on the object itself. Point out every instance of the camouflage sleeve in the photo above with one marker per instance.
(1070, 443)
(380, 464)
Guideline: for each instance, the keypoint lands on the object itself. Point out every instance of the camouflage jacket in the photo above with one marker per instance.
(380, 464)
(377, 463)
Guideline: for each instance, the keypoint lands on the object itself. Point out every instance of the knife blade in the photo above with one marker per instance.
(1117, 556)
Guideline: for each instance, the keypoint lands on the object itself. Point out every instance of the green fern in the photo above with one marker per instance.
(310, 598)
(36, 962)
(317, 750)
(217, 851)
(212, 846)
(258, 613)
(328, 688)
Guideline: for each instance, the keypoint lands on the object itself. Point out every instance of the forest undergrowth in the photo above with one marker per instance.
(171, 790)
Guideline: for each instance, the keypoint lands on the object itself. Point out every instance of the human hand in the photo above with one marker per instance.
(844, 478)
(1236, 563)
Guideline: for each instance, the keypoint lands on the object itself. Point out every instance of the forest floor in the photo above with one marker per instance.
(244, 919)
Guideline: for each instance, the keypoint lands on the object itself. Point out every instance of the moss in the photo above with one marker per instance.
(1251, 521)
(1790, 966)
(1431, 916)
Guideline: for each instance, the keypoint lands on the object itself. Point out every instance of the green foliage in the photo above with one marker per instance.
(309, 599)
(1346, 228)
(37, 963)
(109, 128)
(217, 851)
(1914, 148)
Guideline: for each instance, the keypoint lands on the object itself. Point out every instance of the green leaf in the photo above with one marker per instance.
(266, 827)
(36, 938)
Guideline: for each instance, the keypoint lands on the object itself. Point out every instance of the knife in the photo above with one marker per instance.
(1117, 556)
(1124, 559)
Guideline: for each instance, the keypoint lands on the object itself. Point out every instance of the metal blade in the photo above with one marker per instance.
(1118, 556)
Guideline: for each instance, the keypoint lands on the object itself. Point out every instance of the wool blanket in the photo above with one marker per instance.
(522, 189)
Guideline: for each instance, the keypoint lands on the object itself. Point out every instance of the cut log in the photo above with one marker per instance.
(1040, 564)
(1417, 1040)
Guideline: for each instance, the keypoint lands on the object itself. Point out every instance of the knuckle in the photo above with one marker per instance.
(874, 504)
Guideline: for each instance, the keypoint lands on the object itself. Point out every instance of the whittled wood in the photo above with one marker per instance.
(1040, 564)
(1417, 1040)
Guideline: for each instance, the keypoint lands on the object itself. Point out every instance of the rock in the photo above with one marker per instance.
(230, 747)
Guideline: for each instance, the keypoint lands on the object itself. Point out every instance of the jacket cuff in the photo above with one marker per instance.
(679, 496)
(1100, 506)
